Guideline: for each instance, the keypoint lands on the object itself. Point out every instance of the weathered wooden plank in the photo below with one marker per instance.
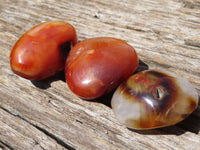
(4, 147)
(85, 124)
(19, 134)
(165, 34)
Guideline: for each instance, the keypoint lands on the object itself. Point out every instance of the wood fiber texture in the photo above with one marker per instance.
(47, 115)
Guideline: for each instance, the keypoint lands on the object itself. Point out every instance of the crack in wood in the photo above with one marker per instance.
(79, 121)
(58, 140)
(3, 145)
(192, 42)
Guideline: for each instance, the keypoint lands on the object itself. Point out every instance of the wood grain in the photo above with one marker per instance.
(47, 115)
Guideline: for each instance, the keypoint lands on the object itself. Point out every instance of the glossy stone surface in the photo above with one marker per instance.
(153, 99)
(41, 52)
(97, 65)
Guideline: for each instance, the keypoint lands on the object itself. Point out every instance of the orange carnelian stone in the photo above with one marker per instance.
(97, 65)
(41, 52)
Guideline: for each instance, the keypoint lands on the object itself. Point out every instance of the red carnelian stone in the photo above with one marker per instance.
(97, 65)
(38, 54)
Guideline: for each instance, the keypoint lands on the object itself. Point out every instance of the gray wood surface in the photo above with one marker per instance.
(47, 115)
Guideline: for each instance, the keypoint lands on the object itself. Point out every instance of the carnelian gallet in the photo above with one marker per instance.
(97, 65)
(41, 52)
(154, 99)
